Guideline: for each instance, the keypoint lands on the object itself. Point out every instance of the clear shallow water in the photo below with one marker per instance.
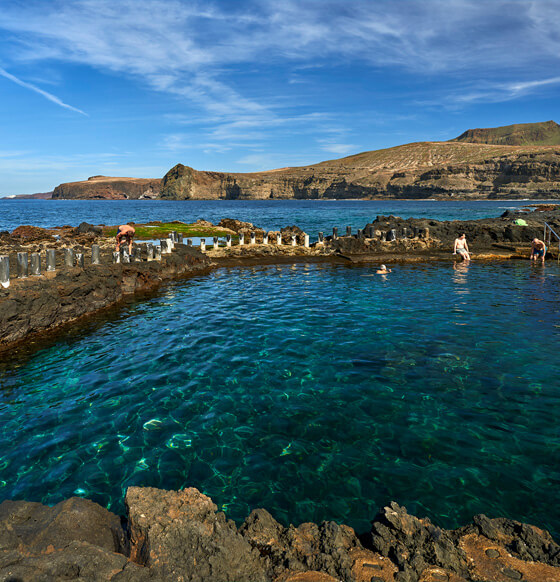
(310, 215)
(318, 392)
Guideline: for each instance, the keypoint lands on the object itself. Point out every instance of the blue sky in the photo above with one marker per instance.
(132, 87)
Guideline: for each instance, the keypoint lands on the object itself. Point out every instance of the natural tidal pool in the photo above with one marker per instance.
(315, 391)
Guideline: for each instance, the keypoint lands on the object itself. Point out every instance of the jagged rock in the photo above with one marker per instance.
(324, 548)
(74, 540)
(287, 233)
(413, 544)
(85, 228)
(179, 535)
(235, 225)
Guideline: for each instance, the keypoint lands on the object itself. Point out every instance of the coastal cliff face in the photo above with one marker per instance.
(107, 188)
(518, 161)
(419, 170)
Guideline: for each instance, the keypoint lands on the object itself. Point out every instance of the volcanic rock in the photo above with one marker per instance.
(27, 233)
(179, 535)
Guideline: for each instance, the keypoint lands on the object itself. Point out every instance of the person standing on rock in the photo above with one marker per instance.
(462, 247)
(125, 231)
(538, 250)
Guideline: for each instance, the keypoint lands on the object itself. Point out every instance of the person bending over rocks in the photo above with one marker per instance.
(383, 270)
(462, 248)
(125, 231)
(538, 250)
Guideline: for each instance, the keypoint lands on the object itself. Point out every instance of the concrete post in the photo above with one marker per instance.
(392, 234)
(189, 242)
(174, 237)
(383, 236)
(80, 260)
(180, 238)
(405, 232)
(335, 233)
(228, 240)
(95, 255)
(360, 233)
(371, 232)
(216, 243)
(294, 240)
(279, 239)
(202, 244)
(265, 238)
(150, 251)
(35, 263)
(68, 257)
(348, 231)
(5, 271)
(253, 238)
(321, 238)
(125, 257)
(306, 240)
(170, 245)
(51, 260)
(163, 245)
(157, 252)
(116, 257)
(22, 265)
(241, 238)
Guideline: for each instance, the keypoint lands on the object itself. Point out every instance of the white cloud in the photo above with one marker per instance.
(36, 89)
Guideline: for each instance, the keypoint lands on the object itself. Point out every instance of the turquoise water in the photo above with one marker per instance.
(318, 392)
(310, 215)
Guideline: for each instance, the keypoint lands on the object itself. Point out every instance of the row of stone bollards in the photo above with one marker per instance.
(386, 235)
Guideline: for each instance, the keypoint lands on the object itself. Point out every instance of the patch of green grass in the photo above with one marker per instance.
(152, 230)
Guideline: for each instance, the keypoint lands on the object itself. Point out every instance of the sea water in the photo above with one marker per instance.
(310, 215)
(315, 391)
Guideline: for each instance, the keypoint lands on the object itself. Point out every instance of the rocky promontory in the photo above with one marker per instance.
(107, 188)
(179, 536)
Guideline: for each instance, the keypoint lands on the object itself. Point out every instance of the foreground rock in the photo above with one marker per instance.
(179, 536)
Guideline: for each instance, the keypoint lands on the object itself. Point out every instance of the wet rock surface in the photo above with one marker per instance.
(180, 536)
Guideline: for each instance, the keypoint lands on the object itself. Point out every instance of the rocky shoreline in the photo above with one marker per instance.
(33, 306)
(179, 536)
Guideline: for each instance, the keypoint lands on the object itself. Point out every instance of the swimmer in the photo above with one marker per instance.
(538, 250)
(125, 231)
(462, 248)
(382, 270)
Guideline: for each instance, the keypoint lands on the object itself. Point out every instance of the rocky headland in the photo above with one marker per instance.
(518, 161)
(179, 536)
(108, 188)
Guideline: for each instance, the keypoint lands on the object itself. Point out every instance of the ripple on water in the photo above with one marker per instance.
(314, 391)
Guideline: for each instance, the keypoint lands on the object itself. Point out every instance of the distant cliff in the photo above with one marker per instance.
(107, 188)
(417, 170)
(479, 164)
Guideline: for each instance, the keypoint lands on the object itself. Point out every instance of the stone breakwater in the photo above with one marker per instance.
(37, 304)
(180, 536)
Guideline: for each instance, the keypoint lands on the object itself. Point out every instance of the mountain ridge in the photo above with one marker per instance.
(458, 168)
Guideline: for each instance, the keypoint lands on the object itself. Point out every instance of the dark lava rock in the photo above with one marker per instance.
(323, 548)
(413, 544)
(179, 535)
(85, 228)
(74, 540)
(235, 225)
(287, 233)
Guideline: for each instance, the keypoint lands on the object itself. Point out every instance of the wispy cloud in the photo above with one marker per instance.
(45, 94)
